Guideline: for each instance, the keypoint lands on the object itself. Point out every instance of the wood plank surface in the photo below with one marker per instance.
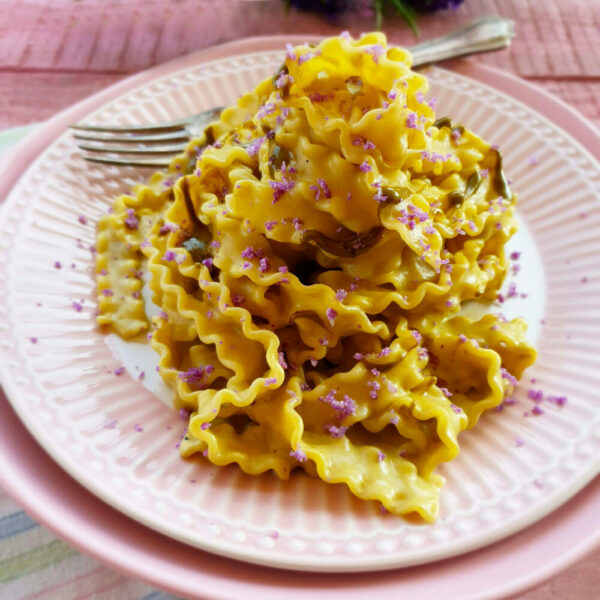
(557, 43)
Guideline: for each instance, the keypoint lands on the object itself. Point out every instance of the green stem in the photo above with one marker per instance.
(408, 14)
(378, 14)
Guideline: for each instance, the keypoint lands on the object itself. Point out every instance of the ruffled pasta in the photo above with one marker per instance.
(310, 256)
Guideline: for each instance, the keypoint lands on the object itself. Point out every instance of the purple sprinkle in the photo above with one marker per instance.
(519, 442)
(558, 400)
(138, 428)
(193, 375)
(446, 392)
(299, 455)
(169, 256)
(205, 426)
(508, 376)
(269, 225)
(57, 264)
(82, 219)
(77, 306)
(131, 222)
(335, 431)
(290, 53)
(119, 371)
(365, 167)
(331, 315)
(110, 424)
(537, 411)
(376, 50)
(184, 414)
(264, 265)
(270, 381)
(254, 146)
(358, 356)
(238, 300)
(455, 408)
(33, 340)
(324, 187)
(340, 295)
(411, 121)
(280, 187)
(281, 361)
(380, 455)
(167, 227)
(535, 395)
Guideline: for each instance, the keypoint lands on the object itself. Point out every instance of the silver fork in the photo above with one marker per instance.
(154, 145)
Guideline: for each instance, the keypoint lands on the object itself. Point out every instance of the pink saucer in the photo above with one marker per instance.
(73, 513)
(28, 474)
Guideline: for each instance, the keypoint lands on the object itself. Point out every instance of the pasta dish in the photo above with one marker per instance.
(311, 256)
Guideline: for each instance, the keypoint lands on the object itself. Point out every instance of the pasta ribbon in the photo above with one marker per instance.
(310, 256)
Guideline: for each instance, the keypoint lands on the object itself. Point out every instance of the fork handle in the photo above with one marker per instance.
(481, 35)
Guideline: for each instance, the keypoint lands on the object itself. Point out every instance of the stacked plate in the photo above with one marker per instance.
(114, 437)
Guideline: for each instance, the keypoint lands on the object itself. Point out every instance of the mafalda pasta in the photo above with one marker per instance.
(310, 257)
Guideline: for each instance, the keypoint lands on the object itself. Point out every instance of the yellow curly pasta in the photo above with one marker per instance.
(310, 263)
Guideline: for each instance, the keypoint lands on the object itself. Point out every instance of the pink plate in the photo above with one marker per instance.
(582, 458)
(498, 571)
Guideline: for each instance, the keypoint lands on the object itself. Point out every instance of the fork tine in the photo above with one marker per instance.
(135, 139)
(164, 149)
(124, 162)
(166, 126)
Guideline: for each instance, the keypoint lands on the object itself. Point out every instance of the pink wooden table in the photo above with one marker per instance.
(55, 52)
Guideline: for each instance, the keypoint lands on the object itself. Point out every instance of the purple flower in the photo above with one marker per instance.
(435, 5)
